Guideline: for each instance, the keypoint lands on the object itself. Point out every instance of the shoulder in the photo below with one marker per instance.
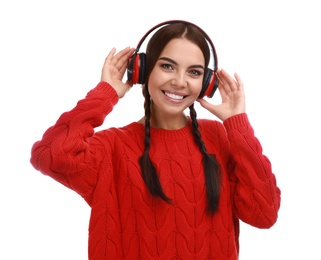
(208, 122)
(123, 134)
(214, 135)
(210, 126)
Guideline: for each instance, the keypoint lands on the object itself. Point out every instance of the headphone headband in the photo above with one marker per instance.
(185, 22)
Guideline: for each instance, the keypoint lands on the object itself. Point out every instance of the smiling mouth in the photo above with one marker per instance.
(173, 96)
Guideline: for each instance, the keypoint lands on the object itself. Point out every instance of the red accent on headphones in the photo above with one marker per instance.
(211, 88)
(136, 69)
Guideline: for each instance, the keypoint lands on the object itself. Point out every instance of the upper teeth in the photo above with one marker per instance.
(171, 95)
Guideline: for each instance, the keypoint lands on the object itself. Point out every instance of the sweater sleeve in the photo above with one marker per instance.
(66, 152)
(256, 196)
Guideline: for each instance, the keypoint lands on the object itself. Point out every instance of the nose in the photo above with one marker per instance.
(179, 80)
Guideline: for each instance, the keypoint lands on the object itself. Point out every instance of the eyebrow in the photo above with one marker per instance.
(174, 62)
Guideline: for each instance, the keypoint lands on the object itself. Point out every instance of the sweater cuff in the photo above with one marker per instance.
(236, 122)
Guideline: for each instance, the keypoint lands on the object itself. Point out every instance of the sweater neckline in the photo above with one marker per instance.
(181, 133)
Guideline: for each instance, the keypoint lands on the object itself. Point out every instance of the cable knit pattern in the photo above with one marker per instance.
(126, 221)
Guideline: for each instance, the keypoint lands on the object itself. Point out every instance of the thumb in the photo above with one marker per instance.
(205, 104)
(214, 109)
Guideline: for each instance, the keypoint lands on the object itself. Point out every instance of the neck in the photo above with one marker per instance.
(170, 123)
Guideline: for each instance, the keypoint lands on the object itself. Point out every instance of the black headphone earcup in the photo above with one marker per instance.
(210, 84)
(142, 68)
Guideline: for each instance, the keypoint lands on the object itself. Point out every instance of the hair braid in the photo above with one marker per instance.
(148, 169)
(211, 167)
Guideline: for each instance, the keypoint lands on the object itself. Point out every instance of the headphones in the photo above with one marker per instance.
(136, 67)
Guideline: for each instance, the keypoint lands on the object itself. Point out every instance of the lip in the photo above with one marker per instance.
(174, 93)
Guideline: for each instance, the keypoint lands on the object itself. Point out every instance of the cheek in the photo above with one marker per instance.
(152, 79)
(151, 84)
(156, 80)
(196, 87)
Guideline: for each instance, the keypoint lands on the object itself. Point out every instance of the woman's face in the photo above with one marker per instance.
(176, 79)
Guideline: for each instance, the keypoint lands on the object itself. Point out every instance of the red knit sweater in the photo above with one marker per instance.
(126, 221)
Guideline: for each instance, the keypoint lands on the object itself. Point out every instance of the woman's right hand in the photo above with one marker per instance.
(114, 69)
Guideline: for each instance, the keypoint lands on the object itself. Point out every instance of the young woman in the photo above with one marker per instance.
(168, 186)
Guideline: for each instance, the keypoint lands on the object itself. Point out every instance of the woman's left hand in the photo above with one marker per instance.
(232, 93)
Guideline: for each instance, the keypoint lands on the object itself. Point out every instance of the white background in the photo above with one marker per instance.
(51, 55)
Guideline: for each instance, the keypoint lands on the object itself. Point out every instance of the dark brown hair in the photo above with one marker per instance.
(211, 167)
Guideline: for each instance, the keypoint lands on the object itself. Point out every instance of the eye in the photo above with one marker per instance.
(167, 66)
(196, 72)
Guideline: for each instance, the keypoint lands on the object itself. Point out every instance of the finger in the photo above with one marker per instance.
(110, 54)
(227, 79)
(221, 88)
(239, 81)
(229, 84)
(121, 58)
(205, 104)
(107, 63)
(223, 85)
